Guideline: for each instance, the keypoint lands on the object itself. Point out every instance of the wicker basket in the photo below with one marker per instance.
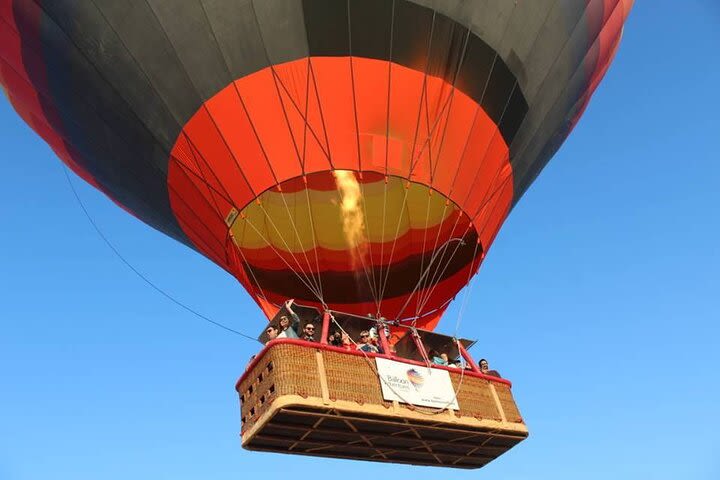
(317, 400)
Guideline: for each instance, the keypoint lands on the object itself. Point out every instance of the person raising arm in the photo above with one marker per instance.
(289, 328)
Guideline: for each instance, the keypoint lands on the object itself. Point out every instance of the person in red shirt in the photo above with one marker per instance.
(347, 343)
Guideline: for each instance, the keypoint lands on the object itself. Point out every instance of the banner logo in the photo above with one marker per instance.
(415, 385)
(416, 378)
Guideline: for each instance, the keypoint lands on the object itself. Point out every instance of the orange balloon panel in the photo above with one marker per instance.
(259, 164)
(360, 154)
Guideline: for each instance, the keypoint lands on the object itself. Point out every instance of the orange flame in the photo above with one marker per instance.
(352, 214)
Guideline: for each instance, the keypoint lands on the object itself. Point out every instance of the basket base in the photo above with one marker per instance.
(321, 430)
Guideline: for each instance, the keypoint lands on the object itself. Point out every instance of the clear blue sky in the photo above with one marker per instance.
(599, 299)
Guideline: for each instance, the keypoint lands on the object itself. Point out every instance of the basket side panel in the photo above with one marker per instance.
(475, 398)
(283, 370)
(508, 403)
(353, 378)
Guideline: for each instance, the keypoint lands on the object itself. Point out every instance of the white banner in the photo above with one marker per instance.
(427, 387)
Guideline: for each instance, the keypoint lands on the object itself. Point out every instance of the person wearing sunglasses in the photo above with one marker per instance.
(364, 344)
(309, 333)
(271, 332)
(289, 328)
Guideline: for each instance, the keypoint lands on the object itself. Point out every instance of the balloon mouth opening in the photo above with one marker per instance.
(268, 188)
(354, 237)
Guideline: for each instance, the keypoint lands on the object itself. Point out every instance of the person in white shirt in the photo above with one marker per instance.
(288, 328)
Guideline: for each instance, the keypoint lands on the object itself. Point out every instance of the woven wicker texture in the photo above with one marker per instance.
(257, 391)
(283, 370)
(474, 397)
(353, 378)
(296, 371)
(508, 403)
(354, 421)
(293, 370)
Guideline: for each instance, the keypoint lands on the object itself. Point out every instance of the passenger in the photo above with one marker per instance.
(436, 358)
(383, 321)
(347, 342)
(272, 333)
(386, 329)
(250, 362)
(335, 339)
(445, 358)
(289, 329)
(375, 340)
(364, 343)
(309, 332)
(485, 369)
(455, 364)
(374, 332)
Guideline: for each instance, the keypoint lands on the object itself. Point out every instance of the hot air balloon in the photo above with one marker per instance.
(357, 156)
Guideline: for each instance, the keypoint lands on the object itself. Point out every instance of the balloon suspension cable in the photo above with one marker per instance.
(421, 347)
(317, 282)
(303, 278)
(248, 268)
(370, 277)
(313, 236)
(427, 270)
(310, 284)
(425, 230)
(437, 277)
(392, 250)
(468, 290)
(138, 273)
(431, 281)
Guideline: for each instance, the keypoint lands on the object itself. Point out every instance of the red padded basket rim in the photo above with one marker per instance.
(330, 348)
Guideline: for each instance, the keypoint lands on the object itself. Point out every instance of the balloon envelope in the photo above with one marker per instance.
(361, 154)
